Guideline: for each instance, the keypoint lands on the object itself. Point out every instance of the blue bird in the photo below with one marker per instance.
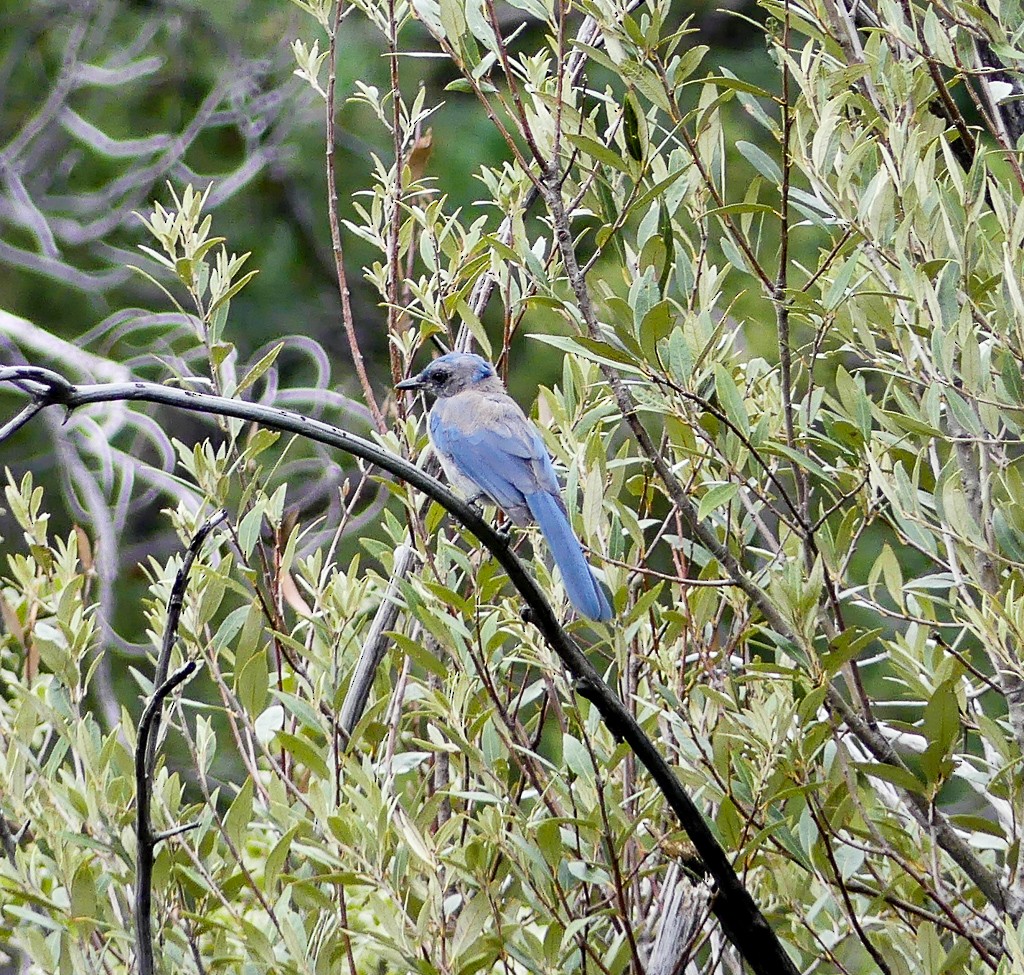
(488, 448)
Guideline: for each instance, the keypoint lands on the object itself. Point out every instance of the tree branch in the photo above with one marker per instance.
(146, 840)
(334, 222)
(145, 749)
(742, 921)
(174, 606)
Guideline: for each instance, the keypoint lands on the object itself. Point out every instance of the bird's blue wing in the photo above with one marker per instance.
(489, 441)
(486, 441)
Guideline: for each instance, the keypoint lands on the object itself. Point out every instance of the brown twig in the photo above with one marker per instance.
(332, 217)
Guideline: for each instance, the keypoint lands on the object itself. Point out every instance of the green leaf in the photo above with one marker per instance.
(656, 325)
(941, 724)
(800, 459)
(977, 824)
(594, 350)
(239, 815)
(657, 190)
(548, 835)
(1012, 380)
(453, 21)
(634, 128)
(837, 289)
(761, 162)
(963, 413)
(855, 401)
(887, 567)
(598, 151)
(276, 858)
(739, 208)
(301, 709)
(846, 646)
(647, 82)
(901, 777)
(730, 398)
(233, 290)
(588, 873)
(667, 234)
(260, 368)
(734, 255)
(253, 682)
(576, 757)
(305, 752)
(735, 84)
(475, 326)
(717, 497)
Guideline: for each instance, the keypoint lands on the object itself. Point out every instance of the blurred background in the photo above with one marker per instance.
(104, 106)
(102, 103)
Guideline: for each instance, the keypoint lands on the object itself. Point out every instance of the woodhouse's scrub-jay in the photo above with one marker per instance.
(488, 448)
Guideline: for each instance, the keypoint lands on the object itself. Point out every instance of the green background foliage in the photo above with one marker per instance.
(786, 389)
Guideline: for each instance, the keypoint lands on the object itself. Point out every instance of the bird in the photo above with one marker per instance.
(489, 449)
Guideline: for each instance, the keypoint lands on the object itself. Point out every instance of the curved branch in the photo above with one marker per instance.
(741, 919)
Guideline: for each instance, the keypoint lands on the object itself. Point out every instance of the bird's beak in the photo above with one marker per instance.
(413, 382)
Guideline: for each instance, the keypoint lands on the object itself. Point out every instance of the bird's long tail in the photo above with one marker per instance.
(583, 589)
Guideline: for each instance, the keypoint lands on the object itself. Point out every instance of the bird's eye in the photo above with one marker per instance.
(441, 375)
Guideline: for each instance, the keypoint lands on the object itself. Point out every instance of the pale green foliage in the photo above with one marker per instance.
(185, 249)
(482, 818)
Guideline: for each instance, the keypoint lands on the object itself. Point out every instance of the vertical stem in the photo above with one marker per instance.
(339, 255)
(782, 278)
(145, 839)
(510, 78)
(394, 290)
(559, 78)
(145, 747)
(175, 602)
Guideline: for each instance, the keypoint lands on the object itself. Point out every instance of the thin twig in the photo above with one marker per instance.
(819, 820)
(336, 246)
(174, 606)
(395, 221)
(780, 300)
(14, 424)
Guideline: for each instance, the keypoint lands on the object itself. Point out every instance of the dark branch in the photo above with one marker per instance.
(145, 745)
(174, 605)
(742, 921)
(146, 840)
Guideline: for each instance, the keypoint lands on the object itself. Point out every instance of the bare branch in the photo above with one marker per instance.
(145, 838)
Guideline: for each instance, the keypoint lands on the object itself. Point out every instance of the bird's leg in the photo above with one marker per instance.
(504, 531)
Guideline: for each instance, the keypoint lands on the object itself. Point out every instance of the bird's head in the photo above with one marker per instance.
(450, 374)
